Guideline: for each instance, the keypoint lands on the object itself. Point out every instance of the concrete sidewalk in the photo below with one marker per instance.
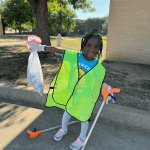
(17, 116)
(120, 114)
(21, 108)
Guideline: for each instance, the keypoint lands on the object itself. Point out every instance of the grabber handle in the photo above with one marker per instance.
(115, 90)
(112, 97)
(93, 125)
(106, 92)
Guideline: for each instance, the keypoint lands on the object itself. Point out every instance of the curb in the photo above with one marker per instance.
(120, 114)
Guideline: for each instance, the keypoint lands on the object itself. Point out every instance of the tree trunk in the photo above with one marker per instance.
(20, 31)
(3, 30)
(40, 12)
(32, 31)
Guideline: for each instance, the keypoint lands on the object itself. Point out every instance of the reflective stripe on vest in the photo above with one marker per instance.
(77, 96)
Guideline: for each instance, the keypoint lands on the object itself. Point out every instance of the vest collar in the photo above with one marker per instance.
(78, 67)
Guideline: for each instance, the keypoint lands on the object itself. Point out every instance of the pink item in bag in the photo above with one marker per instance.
(33, 39)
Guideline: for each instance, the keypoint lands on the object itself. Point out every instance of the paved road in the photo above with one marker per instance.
(18, 116)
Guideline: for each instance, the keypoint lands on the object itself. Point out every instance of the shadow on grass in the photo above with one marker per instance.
(20, 37)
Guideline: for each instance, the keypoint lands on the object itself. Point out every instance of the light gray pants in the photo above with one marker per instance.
(84, 125)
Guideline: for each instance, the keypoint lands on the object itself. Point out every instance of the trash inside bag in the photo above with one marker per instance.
(34, 72)
(33, 39)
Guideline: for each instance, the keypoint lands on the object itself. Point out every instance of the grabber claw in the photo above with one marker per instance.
(33, 134)
(29, 132)
(106, 92)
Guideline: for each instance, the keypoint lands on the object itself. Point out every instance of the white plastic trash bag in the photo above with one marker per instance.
(34, 72)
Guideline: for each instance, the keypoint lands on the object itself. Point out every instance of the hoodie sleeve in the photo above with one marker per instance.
(63, 54)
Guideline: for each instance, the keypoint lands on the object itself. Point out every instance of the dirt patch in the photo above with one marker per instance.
(133, 79)
(14, 61)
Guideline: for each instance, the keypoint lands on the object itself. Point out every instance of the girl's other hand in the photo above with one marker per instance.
(109, 88)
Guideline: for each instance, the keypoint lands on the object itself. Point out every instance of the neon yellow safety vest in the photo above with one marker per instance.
(77, 96)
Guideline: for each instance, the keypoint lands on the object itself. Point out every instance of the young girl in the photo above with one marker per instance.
(77, 84)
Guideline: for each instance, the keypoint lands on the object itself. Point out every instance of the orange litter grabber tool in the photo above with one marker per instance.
(35, 134)
(105, 95)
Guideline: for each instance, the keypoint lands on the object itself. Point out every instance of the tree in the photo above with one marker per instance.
(105, 25)
(94, 23)
(90, 24)
(3, 23)
(17, 13)
(30, 25)
(2, 5)
(40, 11)
(60, 18)
(2, 8)
(80, 25)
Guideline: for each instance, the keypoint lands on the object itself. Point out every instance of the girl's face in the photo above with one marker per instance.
(91, 49)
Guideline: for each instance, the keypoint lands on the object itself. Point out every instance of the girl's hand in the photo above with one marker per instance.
(38, 47)
(109, 88)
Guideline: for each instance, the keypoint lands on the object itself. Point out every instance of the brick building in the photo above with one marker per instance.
(128, 37)
(1, 27)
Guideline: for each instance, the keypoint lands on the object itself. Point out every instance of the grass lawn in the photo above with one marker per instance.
(75, 44)
(71, 43)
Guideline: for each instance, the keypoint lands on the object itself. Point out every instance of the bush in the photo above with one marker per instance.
(82, 32)
(64, 34)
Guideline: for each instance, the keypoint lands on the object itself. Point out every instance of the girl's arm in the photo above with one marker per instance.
(54, 49)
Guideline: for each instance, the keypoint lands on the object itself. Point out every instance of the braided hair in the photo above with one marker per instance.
(87, 37)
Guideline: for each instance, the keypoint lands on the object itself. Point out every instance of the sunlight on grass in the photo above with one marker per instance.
(104, 43)
(69, 44)
(73, 44)
(14, 35)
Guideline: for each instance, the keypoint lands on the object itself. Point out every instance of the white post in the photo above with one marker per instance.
(59, 40)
